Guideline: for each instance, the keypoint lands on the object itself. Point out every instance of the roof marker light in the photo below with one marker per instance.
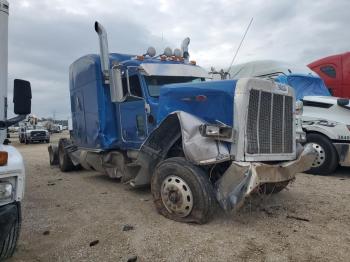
(151, 51)
(177, 52)
(168, 52)
(140, 57)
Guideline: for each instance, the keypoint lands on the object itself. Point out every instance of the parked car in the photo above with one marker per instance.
(29, 135)
(335, 72)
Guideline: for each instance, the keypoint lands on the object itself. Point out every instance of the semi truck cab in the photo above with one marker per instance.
(335, 71)
(154, 120)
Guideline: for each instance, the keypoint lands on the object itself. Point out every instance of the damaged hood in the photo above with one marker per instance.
(211, 100)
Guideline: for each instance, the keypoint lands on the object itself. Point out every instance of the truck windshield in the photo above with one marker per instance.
(154, 83)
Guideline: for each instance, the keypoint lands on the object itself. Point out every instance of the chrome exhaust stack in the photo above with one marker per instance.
(104, 53)
(184, 49)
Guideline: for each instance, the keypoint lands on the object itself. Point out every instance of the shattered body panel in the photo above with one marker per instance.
(242, 178)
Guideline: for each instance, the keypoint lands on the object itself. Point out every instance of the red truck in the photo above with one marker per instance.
(335, 71)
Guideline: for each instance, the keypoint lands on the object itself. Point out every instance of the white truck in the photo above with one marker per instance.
(12, 173)
(326, 121)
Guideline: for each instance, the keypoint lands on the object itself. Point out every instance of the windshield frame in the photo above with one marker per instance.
(152, 94)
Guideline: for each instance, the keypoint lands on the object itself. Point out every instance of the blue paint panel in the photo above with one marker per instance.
(96, 121)
(211, 101)
(93, 114)
(131, 113)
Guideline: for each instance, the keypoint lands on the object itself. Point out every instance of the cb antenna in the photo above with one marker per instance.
(240, 44)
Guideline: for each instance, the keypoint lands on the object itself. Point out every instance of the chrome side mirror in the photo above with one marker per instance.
(116, 85)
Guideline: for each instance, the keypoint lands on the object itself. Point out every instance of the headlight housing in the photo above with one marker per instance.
(6, 191)
(299, 107)
(216, 131)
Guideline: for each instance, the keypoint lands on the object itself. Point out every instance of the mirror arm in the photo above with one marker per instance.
(128, 82)
(12, 121)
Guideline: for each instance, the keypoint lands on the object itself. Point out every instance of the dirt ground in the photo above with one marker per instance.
(65, 213)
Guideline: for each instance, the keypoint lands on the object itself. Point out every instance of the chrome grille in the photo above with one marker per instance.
(37, 133)
(269, 123)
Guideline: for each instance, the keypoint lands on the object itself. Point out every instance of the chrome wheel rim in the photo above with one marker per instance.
(321, 155)
(177, 196)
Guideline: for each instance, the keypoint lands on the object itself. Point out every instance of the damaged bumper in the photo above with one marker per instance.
(242, 178)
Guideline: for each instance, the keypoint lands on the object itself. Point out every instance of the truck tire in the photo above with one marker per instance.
(273, 188)
(182, 191)
(8, 245)
(64, 161)
(53, 155)
(327, 157)
(26, 141)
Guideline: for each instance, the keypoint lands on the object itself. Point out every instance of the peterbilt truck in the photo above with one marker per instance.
(12, 173)
(154, 120)
(325, 119)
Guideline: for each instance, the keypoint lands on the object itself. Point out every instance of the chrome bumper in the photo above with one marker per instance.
(242, 178)
(343, 150)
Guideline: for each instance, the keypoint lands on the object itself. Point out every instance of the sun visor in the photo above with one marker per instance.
(163, 69)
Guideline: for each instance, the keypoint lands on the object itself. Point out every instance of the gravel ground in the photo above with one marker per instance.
(79, 216)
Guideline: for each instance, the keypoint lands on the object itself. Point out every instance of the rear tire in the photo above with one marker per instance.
(182, 191)
(327, 156)
(8, 246)
(65, 163)
(53, 155)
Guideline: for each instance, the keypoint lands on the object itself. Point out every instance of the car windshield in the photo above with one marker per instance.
(154, 83)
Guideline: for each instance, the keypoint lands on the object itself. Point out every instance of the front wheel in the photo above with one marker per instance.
(8, 241)
(327, 157)
(182, 191)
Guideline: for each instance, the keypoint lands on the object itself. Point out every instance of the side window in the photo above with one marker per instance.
(329, 71)
(135, 87)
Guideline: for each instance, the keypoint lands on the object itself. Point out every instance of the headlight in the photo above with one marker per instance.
(299, 107)
(215, 131)
(6, 190)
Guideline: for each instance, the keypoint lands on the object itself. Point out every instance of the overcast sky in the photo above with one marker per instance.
(46, 36)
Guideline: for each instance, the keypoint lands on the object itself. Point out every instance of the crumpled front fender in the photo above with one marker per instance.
(242, 178)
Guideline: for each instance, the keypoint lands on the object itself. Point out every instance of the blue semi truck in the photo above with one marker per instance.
(156, 120)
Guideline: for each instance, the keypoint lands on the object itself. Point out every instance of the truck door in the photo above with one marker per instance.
(133, 116)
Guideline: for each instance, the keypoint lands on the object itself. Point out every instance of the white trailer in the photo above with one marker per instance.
(12, 173)
(326, 121)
